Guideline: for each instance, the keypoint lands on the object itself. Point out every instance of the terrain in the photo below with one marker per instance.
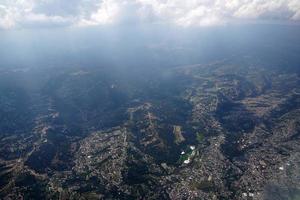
(223, 130)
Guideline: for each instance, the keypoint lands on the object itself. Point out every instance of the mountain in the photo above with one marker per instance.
(228, 129)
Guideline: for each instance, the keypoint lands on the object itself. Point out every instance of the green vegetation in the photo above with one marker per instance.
(200, 137)
(184, 157)
(297, 197)
(187, 154)
(203, 185)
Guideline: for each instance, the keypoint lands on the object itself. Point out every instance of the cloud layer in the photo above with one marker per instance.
(53, 13)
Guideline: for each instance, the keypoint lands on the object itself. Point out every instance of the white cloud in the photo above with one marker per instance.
(42, 20)
(294, 6)
(6, 18)
(119, 12)
(36, 13)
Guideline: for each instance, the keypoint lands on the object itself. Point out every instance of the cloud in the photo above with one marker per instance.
(20, 13)
(120, 12)
(41, 13)
(6, 18)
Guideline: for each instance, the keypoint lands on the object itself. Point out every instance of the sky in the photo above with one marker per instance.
(146, 32)
(31, 14)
